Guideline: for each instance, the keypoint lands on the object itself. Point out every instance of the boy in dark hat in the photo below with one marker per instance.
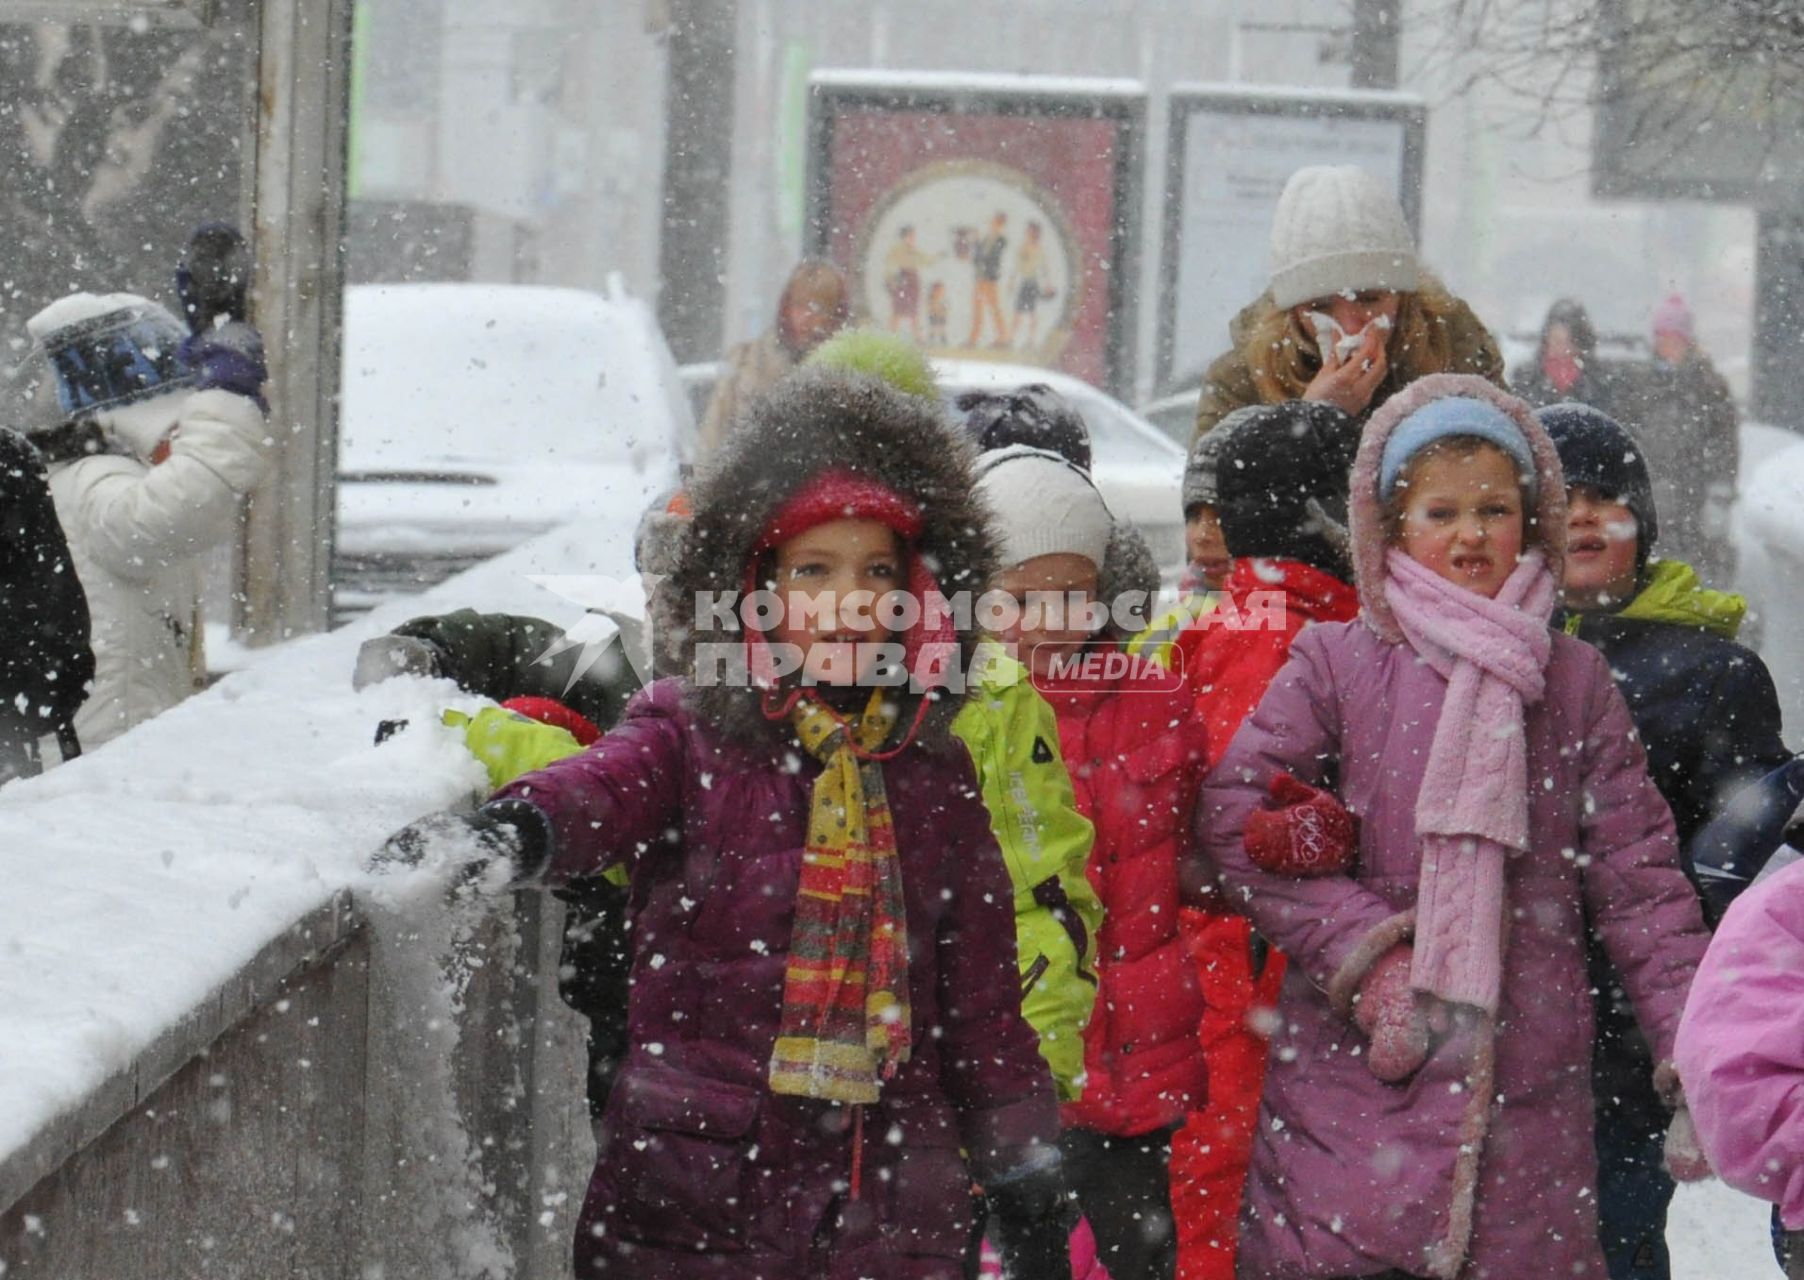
(1280, 488)
(1205, 551)
(1706, 710)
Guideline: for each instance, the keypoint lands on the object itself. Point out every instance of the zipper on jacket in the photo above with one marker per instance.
(1035, 972)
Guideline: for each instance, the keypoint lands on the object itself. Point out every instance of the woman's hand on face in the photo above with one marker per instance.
(1349, 384)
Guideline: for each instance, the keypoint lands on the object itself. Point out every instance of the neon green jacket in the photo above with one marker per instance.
(1673, 594)
(1013, 738)
(1163, 631)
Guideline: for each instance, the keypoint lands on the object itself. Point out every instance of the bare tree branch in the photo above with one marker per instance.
(1667, 72)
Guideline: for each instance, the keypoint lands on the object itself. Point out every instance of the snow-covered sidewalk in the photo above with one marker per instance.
(1716, 1233)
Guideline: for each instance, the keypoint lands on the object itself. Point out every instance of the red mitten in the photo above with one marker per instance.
(1309, 833)
(1392, 1015)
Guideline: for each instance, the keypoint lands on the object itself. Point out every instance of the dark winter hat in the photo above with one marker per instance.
(1598, 452)
(1201, 469)
(1282, 478)
(1033, 415)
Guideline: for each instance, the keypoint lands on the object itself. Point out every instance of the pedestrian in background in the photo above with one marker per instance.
(152, 436)
(815, 304)
(1566, 366)
(46, 661)
(1683, 412)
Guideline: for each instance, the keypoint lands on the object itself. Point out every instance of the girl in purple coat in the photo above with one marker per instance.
(1428, 1108)
(826, 1040)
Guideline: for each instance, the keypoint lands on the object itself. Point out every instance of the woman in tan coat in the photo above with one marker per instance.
(1350, 317)
(816, 304)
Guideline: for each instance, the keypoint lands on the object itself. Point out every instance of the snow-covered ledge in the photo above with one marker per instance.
(179, 917)
(314, 939)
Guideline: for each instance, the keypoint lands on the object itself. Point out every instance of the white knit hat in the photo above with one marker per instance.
(1338, 229)
(1044, 505)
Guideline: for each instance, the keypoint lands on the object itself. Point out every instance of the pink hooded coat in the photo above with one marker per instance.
(1741, 1046)
(1481, 1164)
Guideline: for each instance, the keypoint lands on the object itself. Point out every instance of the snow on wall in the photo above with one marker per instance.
(144, 875)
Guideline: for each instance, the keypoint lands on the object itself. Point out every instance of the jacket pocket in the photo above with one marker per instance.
(928, 1183)
(679, 1151)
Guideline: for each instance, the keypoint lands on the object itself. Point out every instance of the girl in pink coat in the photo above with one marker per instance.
(1427, 1112)
(1741, 1045)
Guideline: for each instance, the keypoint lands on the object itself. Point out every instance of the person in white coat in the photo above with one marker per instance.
(151, 437)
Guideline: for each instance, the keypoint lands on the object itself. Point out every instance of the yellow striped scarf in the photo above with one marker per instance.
(845, 1024)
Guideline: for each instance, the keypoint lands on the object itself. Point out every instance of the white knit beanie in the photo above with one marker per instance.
(1338, 229)
(1043, 505)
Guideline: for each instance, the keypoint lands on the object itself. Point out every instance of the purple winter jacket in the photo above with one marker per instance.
(703, 1172)
(1352, 1176)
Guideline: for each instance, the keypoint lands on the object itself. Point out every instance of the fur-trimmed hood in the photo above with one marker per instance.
(815, 421)
(1366, 507)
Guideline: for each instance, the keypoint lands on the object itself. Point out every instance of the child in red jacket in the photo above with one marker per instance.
(1282, 500)
(1133, 744)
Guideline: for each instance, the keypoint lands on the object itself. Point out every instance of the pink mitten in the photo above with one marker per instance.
(1685, 1158)
(1390, 1013)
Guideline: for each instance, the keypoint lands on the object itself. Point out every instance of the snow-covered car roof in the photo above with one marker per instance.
(460, 373)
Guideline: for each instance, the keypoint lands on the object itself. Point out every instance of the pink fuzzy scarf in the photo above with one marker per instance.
(1473, 806)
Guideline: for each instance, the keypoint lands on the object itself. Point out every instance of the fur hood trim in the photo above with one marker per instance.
(1128, 567)
(814, 421)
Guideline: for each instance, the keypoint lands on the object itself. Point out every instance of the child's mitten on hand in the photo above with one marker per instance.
(1392, 1015)
(1685, 1158)
(1307, 833)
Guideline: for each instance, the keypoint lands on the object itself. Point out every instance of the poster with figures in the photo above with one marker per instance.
(985, 217)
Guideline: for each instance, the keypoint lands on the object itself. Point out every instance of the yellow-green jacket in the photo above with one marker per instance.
(1013, 738)
(1162, 634)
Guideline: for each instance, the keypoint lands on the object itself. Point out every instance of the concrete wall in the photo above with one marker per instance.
(289, 1127)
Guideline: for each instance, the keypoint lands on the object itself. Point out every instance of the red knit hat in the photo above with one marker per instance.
(552, 712)
(1673, 315)
(840, 495)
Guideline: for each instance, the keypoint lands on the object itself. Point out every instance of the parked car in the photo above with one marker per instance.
(698, 384)
(1175, 415)
(477, 416)
(1137, 467)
